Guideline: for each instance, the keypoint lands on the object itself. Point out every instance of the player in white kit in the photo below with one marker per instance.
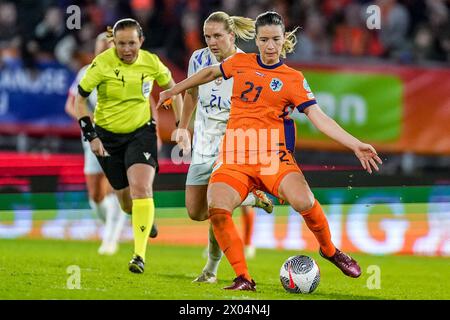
(213, 102)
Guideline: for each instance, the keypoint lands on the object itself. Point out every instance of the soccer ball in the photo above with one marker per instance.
(300, 274)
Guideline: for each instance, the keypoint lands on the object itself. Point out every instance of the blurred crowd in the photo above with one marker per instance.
(412, 31)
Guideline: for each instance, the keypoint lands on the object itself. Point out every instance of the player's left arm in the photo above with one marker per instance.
(203, 76)
(366, 154)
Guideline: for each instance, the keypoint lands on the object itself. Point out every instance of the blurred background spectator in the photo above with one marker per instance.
(412, 31)
(9, 30)
(34, 36)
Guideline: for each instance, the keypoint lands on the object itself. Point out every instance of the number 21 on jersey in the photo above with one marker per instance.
(247, 94)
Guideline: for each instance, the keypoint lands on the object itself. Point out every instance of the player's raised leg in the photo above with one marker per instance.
(295, 190)
(259, 199)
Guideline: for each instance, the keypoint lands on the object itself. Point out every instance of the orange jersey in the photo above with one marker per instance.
(263, 97)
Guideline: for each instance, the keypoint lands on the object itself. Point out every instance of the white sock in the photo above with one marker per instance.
(214, 253)
(118, 221)
(249, 201)
(110, 217)
(100, 209)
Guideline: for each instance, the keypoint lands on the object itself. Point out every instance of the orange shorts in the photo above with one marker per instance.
(244, 178)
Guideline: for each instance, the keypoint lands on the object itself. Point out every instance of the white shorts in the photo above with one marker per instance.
(200, 170)
(91, 165)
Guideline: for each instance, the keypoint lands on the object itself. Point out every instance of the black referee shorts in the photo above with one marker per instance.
(127, 149)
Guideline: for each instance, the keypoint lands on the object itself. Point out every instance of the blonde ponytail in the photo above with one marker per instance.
(290, 40)
(243, 28)
(109, 33)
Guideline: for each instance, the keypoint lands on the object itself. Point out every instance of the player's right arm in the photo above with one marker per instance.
(71, 96)
(182, 135)
(191, 95)
(190, 101)
(203, 76)
(80, 109)
(70, 106)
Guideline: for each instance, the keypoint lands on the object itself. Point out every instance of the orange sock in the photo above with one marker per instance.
(317, 222)
(229, 240)
(248, 219)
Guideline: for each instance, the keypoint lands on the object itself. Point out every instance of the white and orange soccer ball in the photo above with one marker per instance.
(300, 274)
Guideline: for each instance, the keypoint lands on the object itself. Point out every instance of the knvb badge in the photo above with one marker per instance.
(276, 84)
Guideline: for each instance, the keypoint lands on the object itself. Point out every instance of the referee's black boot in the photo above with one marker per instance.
(154, 231)
(136, 265)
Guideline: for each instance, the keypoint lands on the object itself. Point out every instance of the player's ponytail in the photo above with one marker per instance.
(243, 28)
(290, 40)
(273, 18)
(109, 33)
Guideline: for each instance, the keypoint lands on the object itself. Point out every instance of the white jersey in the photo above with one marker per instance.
(92, 99)
(213, 108)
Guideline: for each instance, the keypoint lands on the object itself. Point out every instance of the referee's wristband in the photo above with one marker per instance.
(87, 128)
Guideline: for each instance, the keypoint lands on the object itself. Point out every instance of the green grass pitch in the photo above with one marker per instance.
(38, 269)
